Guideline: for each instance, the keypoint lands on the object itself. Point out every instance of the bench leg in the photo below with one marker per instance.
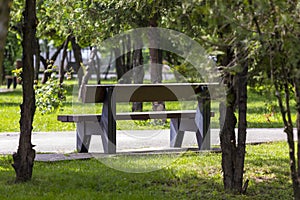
(83, 140)
(176, 135)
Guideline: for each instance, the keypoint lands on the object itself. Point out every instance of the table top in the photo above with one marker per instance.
(146, 92)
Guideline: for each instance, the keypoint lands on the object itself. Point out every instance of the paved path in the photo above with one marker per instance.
(4, 90)
(64, 142)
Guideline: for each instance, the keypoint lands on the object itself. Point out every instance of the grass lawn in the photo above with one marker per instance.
(190, 176)
(262, 113)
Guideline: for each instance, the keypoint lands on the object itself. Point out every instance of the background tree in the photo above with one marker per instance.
(4, 22)
(281, 58)
(215, 25)
(24, 158)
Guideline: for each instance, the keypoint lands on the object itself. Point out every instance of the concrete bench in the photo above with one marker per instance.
(105, 124)
(89, 124)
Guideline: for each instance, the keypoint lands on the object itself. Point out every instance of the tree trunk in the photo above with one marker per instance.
(296, 179)
(78, 58)
(37, 60)
(109, 65)
(129, 59)
(62, 63)
(242, 130)
(138, 73)
(97, 66)
(287, 120)
(227, 125)
(4, 21)
(155, 59)
(227, 139)
(46, 62)
(24, 158)
(123, 60)
(88, 72)
(285, 110)
(233, 150)
(118, 63)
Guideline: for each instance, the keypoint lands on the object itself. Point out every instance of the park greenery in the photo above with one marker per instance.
(253, 41)
(190, 176)
(262, 112)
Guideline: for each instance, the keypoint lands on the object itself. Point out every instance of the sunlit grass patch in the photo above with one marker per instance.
(186, 176)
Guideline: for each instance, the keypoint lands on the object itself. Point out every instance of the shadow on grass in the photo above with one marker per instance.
(10, 104)
(90, 179)
(11, 92)
(264, 125)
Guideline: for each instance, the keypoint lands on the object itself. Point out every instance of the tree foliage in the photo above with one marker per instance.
(254, 41)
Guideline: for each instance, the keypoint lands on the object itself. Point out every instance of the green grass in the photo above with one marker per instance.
(190, 176)
(262, 113)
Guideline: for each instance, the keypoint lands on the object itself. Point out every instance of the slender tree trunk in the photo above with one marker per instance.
(138, 71)
(155, 59)
(227, 139)
(109, 65)
(118, 63)
(233, 149)
(37, 60)
(123, 60)
(286, 118)
(4, 20)
(62, 63)
(296, 182)
(78, 58)
(88, 72)
(97, 66)
(242, 130)
(24, 158)
(128, 63)
(290, 139)
(47, 60)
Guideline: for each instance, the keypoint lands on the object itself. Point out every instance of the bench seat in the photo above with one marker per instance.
(130, 116)
(89, 124)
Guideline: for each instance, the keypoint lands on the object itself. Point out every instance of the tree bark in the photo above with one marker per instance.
(155, 58)
(128, 62)
(4, 21)
(233, 149)
(242, 129)
(24, 158)
(88, 72)
(62, 63)
(227, 125)
(123, 60)
(46, 62)
(297, 93)
(290, 139)
(227, 139)
(78, 58)
(286, 118)
(37, 60)
(138, 73)
(118, 63)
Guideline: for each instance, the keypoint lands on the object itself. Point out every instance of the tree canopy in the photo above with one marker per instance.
(254, 41)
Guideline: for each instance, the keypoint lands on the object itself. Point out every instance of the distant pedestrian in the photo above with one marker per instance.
(13, 79)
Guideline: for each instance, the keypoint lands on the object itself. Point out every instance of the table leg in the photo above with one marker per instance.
(108, 122)
(202, 121)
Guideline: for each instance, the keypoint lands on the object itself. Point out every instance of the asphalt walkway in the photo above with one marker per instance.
(127, 141)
